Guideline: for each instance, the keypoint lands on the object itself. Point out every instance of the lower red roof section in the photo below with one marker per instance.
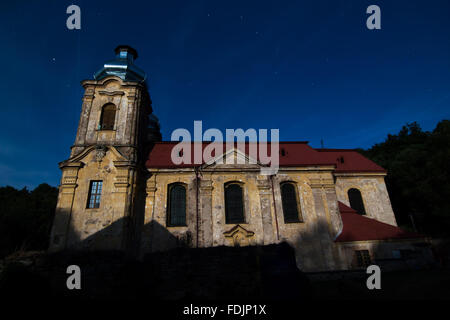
(360, 228)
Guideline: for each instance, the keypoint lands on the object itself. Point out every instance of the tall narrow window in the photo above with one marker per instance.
(108, 117)
(356, 201)
(95, 193)
(234, 204)
(177, 205)
(290, 202)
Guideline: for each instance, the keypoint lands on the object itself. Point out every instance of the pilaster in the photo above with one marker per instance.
(265, 194)
(63, 212)
(205, 221)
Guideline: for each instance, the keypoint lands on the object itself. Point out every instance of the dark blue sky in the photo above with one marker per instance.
(310, 68)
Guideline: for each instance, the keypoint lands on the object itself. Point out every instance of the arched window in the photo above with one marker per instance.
(108, 117)
(290, 202)
(176, 204)
(234, 203)
(356, 201)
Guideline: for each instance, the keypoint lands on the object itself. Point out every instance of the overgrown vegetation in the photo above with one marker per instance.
(418, 180)
(26, 218)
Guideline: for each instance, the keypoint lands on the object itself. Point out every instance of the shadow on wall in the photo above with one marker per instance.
(181, 273)
(175, 272)
(315, 249)
(121, 235)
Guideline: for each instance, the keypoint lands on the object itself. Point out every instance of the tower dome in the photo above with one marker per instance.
(122, 66)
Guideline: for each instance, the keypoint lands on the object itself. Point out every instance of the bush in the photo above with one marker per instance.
(26, 218)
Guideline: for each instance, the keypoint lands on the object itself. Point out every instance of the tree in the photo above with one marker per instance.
(26, 217)
(418, 165)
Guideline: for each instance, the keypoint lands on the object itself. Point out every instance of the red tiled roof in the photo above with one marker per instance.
(360, 228)
(350, 161)
(297, 153)
(345, 209)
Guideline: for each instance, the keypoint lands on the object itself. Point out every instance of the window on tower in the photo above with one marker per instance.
(95, 193)
(108, 117)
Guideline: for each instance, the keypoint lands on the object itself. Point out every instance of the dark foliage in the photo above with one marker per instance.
(418, 180)
(26, 218)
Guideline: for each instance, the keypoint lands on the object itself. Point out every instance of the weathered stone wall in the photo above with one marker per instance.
(382, 254)
(107, 155)
(312, 238)
(252, 206)
(127, 97)
(94, 228)
(374, 193)
(156, 235)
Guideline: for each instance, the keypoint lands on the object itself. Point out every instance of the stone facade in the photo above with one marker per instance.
(373, 191)
(111, 156)
(132, 213)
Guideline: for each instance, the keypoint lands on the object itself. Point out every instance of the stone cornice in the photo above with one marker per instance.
(75, 165)
(102, 82)
(359, 174)
(235, 168)
(124, 164)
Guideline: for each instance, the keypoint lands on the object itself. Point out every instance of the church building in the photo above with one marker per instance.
(120, 190)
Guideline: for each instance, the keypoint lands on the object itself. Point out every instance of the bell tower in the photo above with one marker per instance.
(98, 202)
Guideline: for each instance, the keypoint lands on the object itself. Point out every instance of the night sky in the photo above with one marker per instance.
(310, 68)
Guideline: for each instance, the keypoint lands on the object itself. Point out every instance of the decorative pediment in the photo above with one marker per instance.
(233, 158)
(238, 236)
(100, 152)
